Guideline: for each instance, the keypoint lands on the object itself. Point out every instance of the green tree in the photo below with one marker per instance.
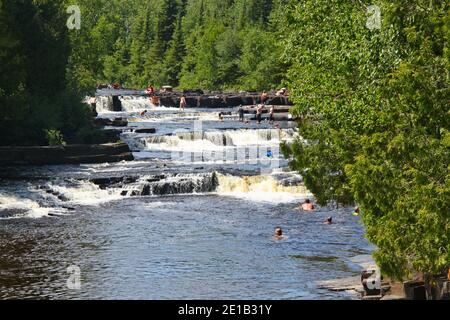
(174, 55)
(373, 108)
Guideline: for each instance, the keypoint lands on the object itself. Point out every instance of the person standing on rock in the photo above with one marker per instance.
(241, 113)
(93, 103)
(259, 110)
(271, 115)
(264, 97)
(183, 103)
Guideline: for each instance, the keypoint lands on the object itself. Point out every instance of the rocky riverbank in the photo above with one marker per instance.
(195, 99)
(68, 154)
(368, 287)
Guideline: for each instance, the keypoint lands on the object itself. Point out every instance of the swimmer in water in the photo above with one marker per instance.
(143, 113)
(329, 220)
(356, 212)
(307, 206)
(278, 235)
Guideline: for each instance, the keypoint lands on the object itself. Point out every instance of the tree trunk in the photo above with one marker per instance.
(429, 287)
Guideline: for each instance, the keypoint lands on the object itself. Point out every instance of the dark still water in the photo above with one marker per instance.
(179, 247)
(207, 238)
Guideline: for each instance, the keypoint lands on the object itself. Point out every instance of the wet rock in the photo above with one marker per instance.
(63, 198)
(146, 190)
(212, 102)
(116, 122)
(169, 102)
(192, 102)
(69, 154)
(116, 104)
(277, 101)
(9, 213)
(415, 290)
(234, 101)
(177, 184)
(193, 92)
(112, 181)
(146, 130)
(52, 215)
(119, 122)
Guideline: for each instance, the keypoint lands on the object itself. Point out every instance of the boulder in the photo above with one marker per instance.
(193, 92)
(145, 130)
(116, 122)
(248, 100)
(192, 102)
(415, 290)
(277, 101)
(69, 154)
(212, 102)
(168, 101)
(116, 104)
(233, 101)
(119, 122)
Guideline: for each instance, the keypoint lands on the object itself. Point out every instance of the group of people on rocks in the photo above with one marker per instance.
(259, 112)
(261, 106)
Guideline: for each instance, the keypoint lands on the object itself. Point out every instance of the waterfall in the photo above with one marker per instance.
(12, 206)
(215, 140)
(136, 104)
(104, 104)
(264, 188)
(171, 184)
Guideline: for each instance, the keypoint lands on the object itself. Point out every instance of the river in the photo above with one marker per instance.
(191, 217)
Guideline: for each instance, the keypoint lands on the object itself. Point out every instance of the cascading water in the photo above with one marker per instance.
(198, 141)
(104, 104)
(17, 207)
(136, 104)
(171, 184)
(260, 188)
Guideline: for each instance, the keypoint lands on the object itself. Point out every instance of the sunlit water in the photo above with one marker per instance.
(187, 245)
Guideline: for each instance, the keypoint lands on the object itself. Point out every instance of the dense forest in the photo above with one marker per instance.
(213, 45)
(371, 102)
(47, 68)
(374, 106)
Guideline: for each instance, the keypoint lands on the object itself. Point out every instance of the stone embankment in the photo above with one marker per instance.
(68, 154)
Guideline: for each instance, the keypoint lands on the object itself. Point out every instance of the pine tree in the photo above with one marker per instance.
(174, 56)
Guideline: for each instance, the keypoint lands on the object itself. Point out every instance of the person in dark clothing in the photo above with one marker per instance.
(259, 111)
(241, 113)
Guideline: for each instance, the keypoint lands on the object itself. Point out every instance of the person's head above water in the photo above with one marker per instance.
(330, 220)
(278, 232)
(307, 201)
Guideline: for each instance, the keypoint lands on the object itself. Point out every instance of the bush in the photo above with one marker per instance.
(54, 137)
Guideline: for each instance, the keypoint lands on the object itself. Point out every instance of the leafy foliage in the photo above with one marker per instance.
(374, 110)
(34, 92)
(186, 43)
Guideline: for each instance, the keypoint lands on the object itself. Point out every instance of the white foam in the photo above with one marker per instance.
(86, 193)
(26, 208)
(136, 104)
(260, 189)
(216, 140)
